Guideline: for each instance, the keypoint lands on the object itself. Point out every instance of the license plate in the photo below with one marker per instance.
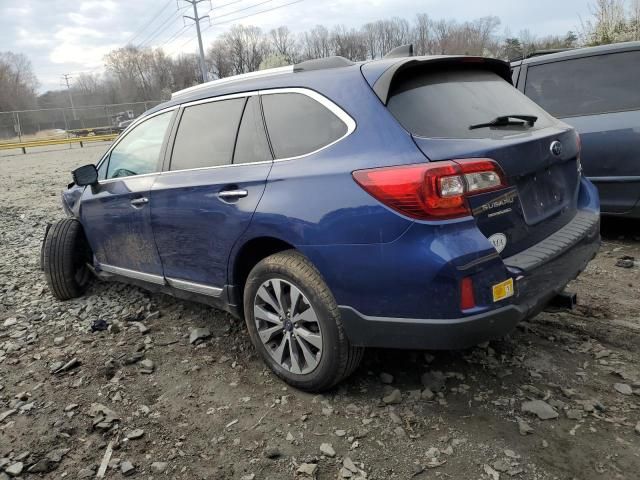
(503, 290)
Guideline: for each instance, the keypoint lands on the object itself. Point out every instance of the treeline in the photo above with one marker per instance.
(140, 74)
(18, 84)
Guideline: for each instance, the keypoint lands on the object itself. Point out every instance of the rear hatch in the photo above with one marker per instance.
(444, 106)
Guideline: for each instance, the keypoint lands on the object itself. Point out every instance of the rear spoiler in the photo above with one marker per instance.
(382, 84)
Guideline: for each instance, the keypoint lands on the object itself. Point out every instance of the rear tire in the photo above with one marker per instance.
(65, 253)
(316, 354)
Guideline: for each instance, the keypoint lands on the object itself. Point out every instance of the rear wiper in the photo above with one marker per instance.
(506, 120)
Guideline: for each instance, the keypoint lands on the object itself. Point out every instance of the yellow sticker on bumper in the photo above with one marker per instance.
(503, 290)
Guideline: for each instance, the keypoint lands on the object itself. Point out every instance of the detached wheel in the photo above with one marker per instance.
(65, 253)
(295, 324)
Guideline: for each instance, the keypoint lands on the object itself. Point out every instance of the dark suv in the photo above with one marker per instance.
(414, 202)
(597, 91)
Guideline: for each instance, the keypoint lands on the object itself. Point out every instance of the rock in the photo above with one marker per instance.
(127, 468)
(393, 398)
(198, 335)
(308, 469)
(86, 473)
(4, 415)
(638, 428)
(58, 341)
(540, 408)
(349, 465)
(159, 467)
(14, 469)
(574, 414)
(623, 388)
(135, 434)
(73, 363)
(142, 328)
(327, 450)
(290, 437)
(427, 394)
(147, 366)
(249, 476)
(524, 427)
(10, 322)
(433, 380)
(340, 433)
(386, 378)
(491, 473)
(626, 261)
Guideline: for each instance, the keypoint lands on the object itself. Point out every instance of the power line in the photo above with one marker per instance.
(242, 17)
(243, 9)
(139, 31)
(159, 28)
(255, 13)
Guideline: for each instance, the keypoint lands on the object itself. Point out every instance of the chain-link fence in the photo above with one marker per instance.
(26, 125)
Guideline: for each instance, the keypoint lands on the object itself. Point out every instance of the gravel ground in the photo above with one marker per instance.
(558, 398)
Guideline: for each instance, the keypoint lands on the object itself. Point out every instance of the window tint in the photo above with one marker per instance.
(139, 151)
(252, 145)
(443, 104)
(206, 134)
(298, 124)
(583, 86)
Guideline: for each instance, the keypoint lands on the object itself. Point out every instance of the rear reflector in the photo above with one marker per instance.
(467, 299)
(431, 191)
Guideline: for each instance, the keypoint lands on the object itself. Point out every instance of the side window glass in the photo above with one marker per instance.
(252, 144)
(586, 86)
(298, 124)
(207, 134)
(139, 151)
(102, 169)
(514, 76)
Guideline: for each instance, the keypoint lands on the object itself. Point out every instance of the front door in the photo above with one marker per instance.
(206, 200)
(115, 213)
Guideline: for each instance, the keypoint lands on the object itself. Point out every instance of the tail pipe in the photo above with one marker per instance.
(566, 300)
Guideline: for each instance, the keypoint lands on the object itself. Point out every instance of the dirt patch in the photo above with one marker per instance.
(168, 409)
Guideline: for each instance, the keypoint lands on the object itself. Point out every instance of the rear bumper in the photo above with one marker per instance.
(540, 273)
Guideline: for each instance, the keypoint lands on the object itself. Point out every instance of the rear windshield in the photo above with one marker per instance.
(444, 104)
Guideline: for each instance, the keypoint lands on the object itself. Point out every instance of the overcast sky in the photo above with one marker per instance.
(71, 36)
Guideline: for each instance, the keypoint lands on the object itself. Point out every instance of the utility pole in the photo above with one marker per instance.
(66, 78)
(197, 19)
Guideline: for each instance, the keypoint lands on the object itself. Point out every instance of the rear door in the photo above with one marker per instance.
(205, 200)
(443, 109)
(600, 97)
(115, 213)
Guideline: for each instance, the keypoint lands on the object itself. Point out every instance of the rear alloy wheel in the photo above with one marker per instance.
(288, 326)
(295, 324)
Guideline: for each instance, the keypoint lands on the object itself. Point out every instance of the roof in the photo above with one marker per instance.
(320, 72)
(580, 52)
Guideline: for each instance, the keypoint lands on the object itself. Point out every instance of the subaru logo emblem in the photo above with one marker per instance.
(556, 148)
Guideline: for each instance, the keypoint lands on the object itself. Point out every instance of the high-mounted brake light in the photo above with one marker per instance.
(435, 190)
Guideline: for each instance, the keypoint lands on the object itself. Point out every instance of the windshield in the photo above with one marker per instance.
(445, 104)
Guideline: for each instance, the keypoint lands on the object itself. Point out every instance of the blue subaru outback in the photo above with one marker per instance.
(407, 202)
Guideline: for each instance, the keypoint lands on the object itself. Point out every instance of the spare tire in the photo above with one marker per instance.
(65, 254)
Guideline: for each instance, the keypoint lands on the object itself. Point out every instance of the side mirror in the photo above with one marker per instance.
(86, 175)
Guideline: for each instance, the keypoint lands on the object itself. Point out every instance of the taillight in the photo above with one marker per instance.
(436, 190)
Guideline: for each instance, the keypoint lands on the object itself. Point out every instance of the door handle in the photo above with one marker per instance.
(139, 202)
(229, 195)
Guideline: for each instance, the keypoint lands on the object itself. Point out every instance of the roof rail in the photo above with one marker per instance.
(322, 64)
(401, 51)
(235, 78)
